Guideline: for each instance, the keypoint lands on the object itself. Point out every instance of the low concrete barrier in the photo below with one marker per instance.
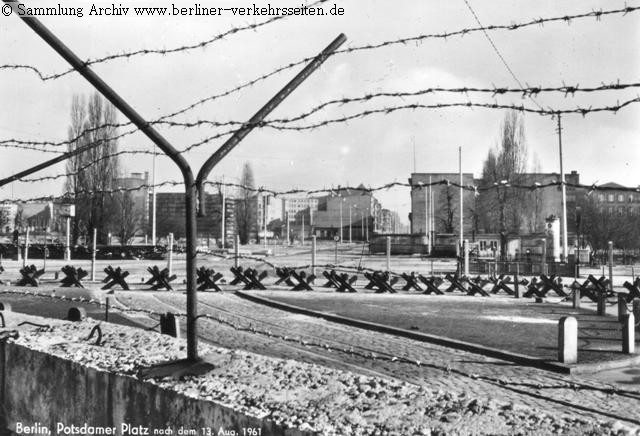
(47, 395)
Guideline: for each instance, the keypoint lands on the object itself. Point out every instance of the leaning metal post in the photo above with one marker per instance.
(160, 141)
(191, 187)
(260, 115)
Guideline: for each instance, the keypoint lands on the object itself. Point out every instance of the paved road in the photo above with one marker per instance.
(236, 323)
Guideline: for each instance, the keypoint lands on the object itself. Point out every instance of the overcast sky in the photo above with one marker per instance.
(374, 150)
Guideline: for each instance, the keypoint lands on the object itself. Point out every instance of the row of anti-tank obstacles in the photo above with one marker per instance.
(595, 289)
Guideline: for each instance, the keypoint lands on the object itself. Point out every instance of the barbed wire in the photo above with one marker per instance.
(341, 191)
(278, 123)
(532, 91)
(166, 51)
(567, 18)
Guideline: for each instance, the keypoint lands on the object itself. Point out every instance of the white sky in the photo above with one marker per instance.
(375, 150)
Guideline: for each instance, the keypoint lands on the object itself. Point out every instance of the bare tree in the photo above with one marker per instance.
(246, 205)
(505, 165)
(446, 216)
(91, 174)
(127, 217)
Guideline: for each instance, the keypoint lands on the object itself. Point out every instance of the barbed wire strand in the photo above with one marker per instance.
(165, 51)
(277, 123)
(340, 191)
(567, 18)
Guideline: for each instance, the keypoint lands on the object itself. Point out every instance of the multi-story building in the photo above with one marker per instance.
(616, 199)
(170, 217)
(356, 213)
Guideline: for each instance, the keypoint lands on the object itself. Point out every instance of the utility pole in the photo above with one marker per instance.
(341, 199)
(565, 249)
(223, 236)
(461, 199)
(350, 221)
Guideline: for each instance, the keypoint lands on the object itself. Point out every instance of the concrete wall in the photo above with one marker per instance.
(40, 389)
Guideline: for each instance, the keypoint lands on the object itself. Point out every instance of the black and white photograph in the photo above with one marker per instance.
(319, 217)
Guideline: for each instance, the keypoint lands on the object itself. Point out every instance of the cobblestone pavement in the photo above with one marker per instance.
(285, 335)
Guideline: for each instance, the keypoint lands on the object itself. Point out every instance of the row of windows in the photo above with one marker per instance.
(631, 211)
(620, 198)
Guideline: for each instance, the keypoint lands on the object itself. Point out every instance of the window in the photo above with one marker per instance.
(620, 198)
(610, 198)
(601, 197)
(630, 198)
(621, 211)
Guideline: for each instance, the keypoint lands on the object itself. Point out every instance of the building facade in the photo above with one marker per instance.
(348, 214)
(483, 213)
(171, 212)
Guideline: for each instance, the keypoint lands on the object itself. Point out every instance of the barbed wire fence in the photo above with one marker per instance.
(288, 123)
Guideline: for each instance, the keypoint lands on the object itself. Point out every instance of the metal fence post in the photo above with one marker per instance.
(236, 252)
(26, 249)
(388, 253)
(611, 265)
(93, 255)
(313, 255)
(516, 285)
(170, 260)
(466, 257)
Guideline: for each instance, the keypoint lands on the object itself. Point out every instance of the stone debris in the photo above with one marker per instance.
(307, 396)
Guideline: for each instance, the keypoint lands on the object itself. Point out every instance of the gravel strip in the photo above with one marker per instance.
(306, 396)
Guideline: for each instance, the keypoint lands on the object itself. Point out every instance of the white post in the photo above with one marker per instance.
(302, 228)
(568, 340)
(26, 248)
(388, 253)
(93, 255)
(313, 255)
(628, 334)
(170, 261)
(67, 250)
